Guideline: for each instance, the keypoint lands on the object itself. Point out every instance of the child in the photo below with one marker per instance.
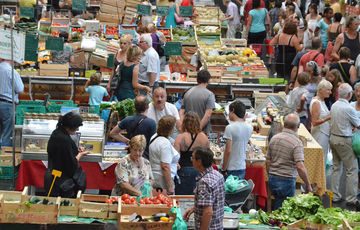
(96, 91)
(280, 24)
(297, 97)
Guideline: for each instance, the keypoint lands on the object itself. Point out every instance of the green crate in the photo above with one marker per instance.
(54, 106)
(6, 172)
(22, 109)
(31, 102)
(94, 109)
(19, 119)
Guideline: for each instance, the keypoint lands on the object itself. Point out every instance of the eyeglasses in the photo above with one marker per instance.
(141, 41)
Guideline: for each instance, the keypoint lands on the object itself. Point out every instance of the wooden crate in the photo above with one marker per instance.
(93, 206)
(146, 211)
(234, 42)
(54, 69)
(116, 3)
(69, 210)
(132, 3)
(263, 128)
(6, 157)
(261, 97)
(116, 19)
(28, 73)
(13, 196)
(302, 224)
(109, 9)
(32, 214)
(348, 225)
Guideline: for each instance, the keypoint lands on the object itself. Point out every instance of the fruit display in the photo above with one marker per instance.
(76, 33)
(208, 30)
(27, 27)
(126, 199)
(270, 114)
(208, 15)
(183, 35)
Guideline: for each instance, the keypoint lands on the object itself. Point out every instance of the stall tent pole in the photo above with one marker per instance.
(13, 98)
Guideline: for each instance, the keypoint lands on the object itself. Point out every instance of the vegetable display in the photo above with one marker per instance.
(124, 108)
(130, 200)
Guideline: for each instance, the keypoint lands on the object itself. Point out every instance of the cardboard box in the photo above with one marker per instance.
(118, 3)
(61, 70)
(79, 60)
(104, 8)
(98, 61)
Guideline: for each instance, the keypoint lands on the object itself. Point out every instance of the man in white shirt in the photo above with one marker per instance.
(159, 107)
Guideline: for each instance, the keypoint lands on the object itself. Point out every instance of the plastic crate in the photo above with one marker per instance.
(22, 109)
(19, 119)
(6, 172)
(31, 102)
(94, 109)
(54, 106)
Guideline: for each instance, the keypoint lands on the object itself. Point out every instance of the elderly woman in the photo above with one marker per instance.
(163, 156)
(125, 43)
(191, 137)
(320, 116)
(132, 170)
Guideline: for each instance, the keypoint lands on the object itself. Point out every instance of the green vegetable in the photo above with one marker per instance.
(34, 200)
(45, 201)
(51, 203)
(263, 217)
(329, 216)
(27, 203)
(65, 203)
(352, 216)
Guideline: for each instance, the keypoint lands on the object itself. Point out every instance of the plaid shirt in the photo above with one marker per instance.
(210, 191)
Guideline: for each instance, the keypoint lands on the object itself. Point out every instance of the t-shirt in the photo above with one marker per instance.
(239, 133)
(149, 63)
(295, 98)
(323, 26)
(233, 10)
(97, 93)
(309, 56)
(146, 128)
(298, 57)
(198, 99)
(156, 115)
(161, 150)
(258, 20)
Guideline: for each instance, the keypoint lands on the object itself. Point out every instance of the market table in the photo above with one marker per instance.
(31, 173)
(314, 161)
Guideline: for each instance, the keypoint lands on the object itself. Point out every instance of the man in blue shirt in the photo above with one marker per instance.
(6, 100)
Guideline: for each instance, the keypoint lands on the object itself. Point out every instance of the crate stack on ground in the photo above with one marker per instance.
(130, 11)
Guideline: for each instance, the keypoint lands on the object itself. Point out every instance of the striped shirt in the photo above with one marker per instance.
(210, 191)
(6, 82)
(285, 149)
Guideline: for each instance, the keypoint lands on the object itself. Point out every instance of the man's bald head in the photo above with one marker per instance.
(292, 121)
(141, 104)
(159, 90)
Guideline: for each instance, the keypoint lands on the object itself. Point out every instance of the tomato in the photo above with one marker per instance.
(165, 200)
(127, 201)
(109, 201)
(157, 201)
(115, 198)
(148, 201)
(132, 199)
(141, 201)
(125, 196)
(169, 205)
(161, 196)
(134, 202)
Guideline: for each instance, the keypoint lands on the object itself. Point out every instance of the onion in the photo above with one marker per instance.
(252, 213)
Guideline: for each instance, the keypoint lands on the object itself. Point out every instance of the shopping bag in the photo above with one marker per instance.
(356, 144)
(146, 189)
(233, 184)
(179, 223)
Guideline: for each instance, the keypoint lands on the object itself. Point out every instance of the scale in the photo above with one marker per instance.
(231, 221)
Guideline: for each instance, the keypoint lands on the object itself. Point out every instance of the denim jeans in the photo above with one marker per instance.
(5, 124)
(187, 182)
(281, 188)
(239, 173)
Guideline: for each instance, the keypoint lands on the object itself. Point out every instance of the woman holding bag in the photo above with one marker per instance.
(170, 19)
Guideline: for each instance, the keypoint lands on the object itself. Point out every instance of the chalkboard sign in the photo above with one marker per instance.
(186, 11)
(173, 48)
(110, 61)
(79, 5)
(54, 43)
(27, 12)
(31, 47)
(143, 9)
(31, 55)
(162, 10)
(9, 9)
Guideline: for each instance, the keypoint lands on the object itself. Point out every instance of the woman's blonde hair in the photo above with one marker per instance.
(139, 142)
(151, 28)
(132, 53)
(324, 85)
(126, 38)
(191, 123)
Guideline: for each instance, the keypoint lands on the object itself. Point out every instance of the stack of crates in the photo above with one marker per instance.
(54, 106)
(28, 107)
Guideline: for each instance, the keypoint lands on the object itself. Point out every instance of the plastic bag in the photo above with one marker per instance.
(146, 189)
(227, 209)
(233, 184)
(88, 44)
(179, 223)
(356, 144)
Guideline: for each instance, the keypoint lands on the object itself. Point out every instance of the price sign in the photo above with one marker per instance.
(9, 10)
(186, 11)
(162, 10)
(173, 48)
(54, 43)
(79, 5)
(110, 61)
(143, 9)
(132, 32)
(27, 12)
(31, 47)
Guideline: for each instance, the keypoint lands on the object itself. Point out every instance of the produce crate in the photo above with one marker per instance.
(31, 102)
(184, 43)
(31, 213)
(19, 119)
(69, 210)
(61, 70)
(104, 17)
(29, 73)
(54, 106)
(6, 157)
(13, 196)
(21, 109)
(261, 97)
(60, 24)
(93, 206)
(263, 128)
(303, 224)
(349, 225)
(125, 211)
(234, 42)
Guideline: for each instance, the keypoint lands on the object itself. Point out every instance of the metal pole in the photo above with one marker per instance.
(13, 97)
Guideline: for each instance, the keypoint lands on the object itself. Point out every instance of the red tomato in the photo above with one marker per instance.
(132, 199)
(170, 205)
(161, 196)
(115, 198)
(157, 201)
(165, 201)
(141, 201)
(148, 201)
(127, 201)
(109, 201)
(134, 202)
(125, 196)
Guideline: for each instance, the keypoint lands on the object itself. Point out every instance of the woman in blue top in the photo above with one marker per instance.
(255, 29)
(96, 91)
(170, 19)
(323, 25)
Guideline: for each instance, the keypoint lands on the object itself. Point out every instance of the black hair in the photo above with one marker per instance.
(337, 17)
(327, 10)
(278, 4)
(256, 4)
(203, 76)
(64, 35)
(70, 120)
(238, 108)
(205, 155)
(141, 104)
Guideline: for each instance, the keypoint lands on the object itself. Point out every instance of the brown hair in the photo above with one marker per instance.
(304, 78)
(95, 79)
(142, 30)
(290, 28)
(344, 53)
(165, 126)
(191, 123)
(350, 20)
(133, 53)
(139, 141)
(338, 78)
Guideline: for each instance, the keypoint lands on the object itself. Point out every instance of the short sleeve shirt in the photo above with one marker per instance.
(232, 9)
(149, 63)
(312, 55)
(129, 172)
(97, 93)
(258, 20)
(156, 115)
(323, 26)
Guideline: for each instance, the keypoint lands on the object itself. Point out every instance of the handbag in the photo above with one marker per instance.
(178, 19)
(116, 80)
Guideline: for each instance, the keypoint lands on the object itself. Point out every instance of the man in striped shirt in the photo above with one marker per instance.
(285, 161)
(6, 100)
